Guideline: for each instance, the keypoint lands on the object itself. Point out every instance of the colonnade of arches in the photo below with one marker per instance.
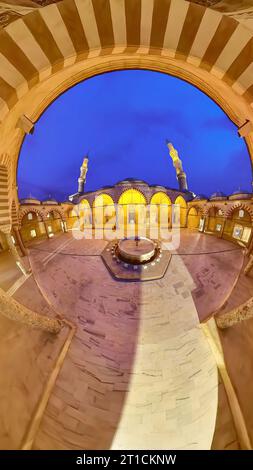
(236, 224)
(132, 210)
(34, 225)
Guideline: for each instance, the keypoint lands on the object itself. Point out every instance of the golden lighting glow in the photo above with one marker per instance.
(103, 200)
(160, 198)
(85, 163)
(183, 210)
(133, 203)
(132, 196)
(160, 209)
(175, 158)
(193, 218)
(84, 204)
(103, 210)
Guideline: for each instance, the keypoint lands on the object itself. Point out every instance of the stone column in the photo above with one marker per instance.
(20, 241)
(47, 232)
(241, 313)
(206, 221)
(17, 312)
(222, 228)
(64, 225)
(15, 253)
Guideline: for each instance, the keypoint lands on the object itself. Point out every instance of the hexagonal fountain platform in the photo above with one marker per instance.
(136, 259)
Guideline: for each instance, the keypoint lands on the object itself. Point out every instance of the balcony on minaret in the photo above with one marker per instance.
(177, 163)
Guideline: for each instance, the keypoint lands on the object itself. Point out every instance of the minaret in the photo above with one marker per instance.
(82, 177)
(177, 163)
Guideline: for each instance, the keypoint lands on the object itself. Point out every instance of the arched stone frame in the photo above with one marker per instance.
(162, 219)
(100, 222)
(199, 209)
(84, 218)
(231, 222)
(216, 223)
(72, 217)
(39, 225)
(99, 194)
(134, 220)
(183, 210)
(238, 206)
(132, 189)
(26, 211)
(17, 135)
(160, 192)
(213, 206)
(200, 213)
(87, 202)
(54, 209)
(111, 45)
(53, 223)
(72, 212)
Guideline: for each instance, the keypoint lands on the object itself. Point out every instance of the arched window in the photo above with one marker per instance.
(32, 226)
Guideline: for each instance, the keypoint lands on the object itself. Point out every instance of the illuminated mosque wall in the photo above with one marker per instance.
(133, 208)
(125, 203)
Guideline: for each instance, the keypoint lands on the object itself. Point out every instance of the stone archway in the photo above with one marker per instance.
(215, 219)
(132, 207)
(32, 225)
(85, 213)
(238, 226)
(160, 210)
(103, 211)
(170, 37)
(193, 217)
(181, 203)
(53, 220)
(38, 67)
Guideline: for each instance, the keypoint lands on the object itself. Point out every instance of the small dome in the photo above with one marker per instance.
(218, 195)
(132, 180)
(30, 200)
(158, 186)
(241, 194)
(50, 202)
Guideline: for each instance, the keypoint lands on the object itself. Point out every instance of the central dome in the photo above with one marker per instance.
(132, 181)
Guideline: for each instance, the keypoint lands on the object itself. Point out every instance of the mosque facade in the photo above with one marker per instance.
(225, 216)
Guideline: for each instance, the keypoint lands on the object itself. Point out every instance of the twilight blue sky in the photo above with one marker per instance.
(122, 119)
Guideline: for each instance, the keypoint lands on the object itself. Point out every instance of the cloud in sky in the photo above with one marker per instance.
(122, 119)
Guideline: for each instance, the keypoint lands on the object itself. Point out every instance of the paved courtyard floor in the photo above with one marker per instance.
(139, 372)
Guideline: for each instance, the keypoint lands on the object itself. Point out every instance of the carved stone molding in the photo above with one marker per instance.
(17, 312)
(244, 312)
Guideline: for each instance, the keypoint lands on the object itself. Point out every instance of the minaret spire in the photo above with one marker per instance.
(82, 177)
(177, 163)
